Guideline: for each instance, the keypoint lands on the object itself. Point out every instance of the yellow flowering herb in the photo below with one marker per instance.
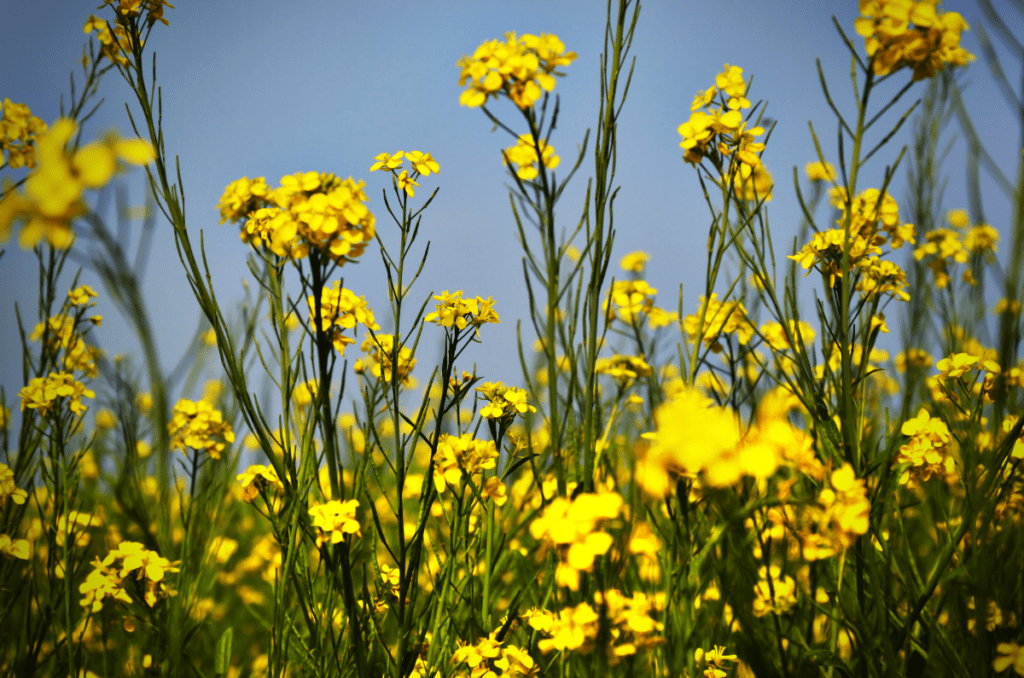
(912, 34)
(525, 156)
(334, 520)
(42, 393)
(521, 67)
(18, 132)
(197, 425)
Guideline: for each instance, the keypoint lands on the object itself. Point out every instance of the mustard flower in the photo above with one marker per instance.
(334, 520)
(423, 163)
(8, 489)
(574, 628)
(623, 368)
(818, 171)
(927, 449)
(1010, 655)
(387, 161)
(114, 43)
(520, 67)
(629, 299)
(406, 183)
(714, 659)
(100, 584)
(52, 197)
(341, 309)
(243, 197)
(839, 518)
(730, 81)
(137, 560)
(43, 392)
(784, 598)
(524, 155)
(454, 311)
(14, 548)
(18, 132)
(913, 34)
(380, 349)
(313, 210)
(720, 318)
(503, 402)
(131, 8)
(460, 456)
(775, 334)
(575, 528)
(197, 425)
(956, 365)
(981, 239)
(259, 477)
(635, 261)
(489, 659)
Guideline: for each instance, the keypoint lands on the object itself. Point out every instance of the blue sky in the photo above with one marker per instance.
(266, 89)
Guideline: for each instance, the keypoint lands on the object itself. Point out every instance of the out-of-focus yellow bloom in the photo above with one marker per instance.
(783, 586)
(8, 488)
(635, 261)
(818, 171)
(575, 528)
(380, 351)
(52, 197)
(197, 425)
(720, 318)
(524, 155)
(503, 402)
(911, 33)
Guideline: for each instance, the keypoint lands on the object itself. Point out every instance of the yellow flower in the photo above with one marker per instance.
(386, 161)
(635, 261)
(406, 183)
(1010, 654)
(53, 192)
(911, 33)
(197, 425)
(423, 163)
(335, 520)
(574, 528)
(524, 155)
(341, 309)
(818, 171)
(18, 132)
(259, 477)
(43, 392)
(243, 197)
(380, 349)
(459, 456)
(520, 67)
(454, 311)
(8, 489)
(503, 402)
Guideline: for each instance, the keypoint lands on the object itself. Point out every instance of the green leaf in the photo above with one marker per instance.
(826, 658)
(222, 655)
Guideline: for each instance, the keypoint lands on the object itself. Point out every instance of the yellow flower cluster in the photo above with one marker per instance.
(574, 528)
(634, 262)
(259, 478)
(728, 317)
(454, 311)
(18, 131)
(114, 43)
(525, 156)
(61, 333)
(719, 133)
(53, 192)
(623, 368)
(874, 221)
(783, 587)
(43, 392)
(341, 309)
(334, 520)
(911, 33)
(631, 627)
(1010, 655)
(775, 334)
(714, 660)
(465, 456)
(818, 171)
(490, 659)
(722, 451)
(840, 516)
(106, 581)
(379, 350)
(308, 210)
(131, 8)
(503, 402)
(629, 299)
(13, 548)
(927, 449)
(522, 67)
(197, 425)
(423, 164)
